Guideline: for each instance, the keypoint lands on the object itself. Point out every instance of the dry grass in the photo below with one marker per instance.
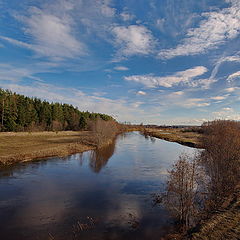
(225, 224)
(25, 146)
(191, 139)
(20, 147)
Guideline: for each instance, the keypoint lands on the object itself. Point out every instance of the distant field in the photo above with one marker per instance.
(191, 139)
(24, 146)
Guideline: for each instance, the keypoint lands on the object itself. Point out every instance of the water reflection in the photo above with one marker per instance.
(100, 156)
(54, 196)
(153, 139)
(11, 171)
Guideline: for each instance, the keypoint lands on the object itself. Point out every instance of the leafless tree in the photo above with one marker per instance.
(103, 130)
(221, 158)
(183, 190)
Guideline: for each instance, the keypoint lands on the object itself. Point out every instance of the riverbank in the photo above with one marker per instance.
(224, 223)
(186, 138)
(16, 147)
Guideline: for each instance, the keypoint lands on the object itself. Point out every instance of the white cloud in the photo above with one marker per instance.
(228, 109)
(106, 10)
(121, 68)
(183, 101)
(141, 93)
(203, 83)
(18, 43)
(215, 29)
(52, 36)
(184, 77)
(178, 93)
(233, 76)
(231, 89)
(133, 40)
(160, 23)
(136, 104)
(226, 113)
(220, 61)
(218, 97)
(13, 73)
(126, 16)
(234, 58)
(195, 102)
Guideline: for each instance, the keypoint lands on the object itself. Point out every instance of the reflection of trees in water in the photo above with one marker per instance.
(123, 135)
(147, 136)
(99, 157)
(21, 168)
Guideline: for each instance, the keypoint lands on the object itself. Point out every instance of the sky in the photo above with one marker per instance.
(140, 61)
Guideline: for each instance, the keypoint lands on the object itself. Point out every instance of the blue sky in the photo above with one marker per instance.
(150, 61)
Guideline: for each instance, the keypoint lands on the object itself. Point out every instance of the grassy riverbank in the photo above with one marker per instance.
(187, 138)
(26, 146)
(22, 146)
(16, 147)
(224, 223)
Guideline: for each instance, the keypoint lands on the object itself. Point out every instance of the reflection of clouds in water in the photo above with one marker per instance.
(126, 207)
(142, 159)
(107, 185)
(46, 204)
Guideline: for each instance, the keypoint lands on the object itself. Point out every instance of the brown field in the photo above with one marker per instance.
(191, 139)
(24, 146)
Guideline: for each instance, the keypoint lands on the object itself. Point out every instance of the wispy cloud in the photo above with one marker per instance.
(182, 77)
(231, 89)
(106, 10)
(52, 36)
(195, 102)
(121, 68)
(60, 29)
(215, 29)
(218, 98)
(234, 58)
(178, 93)
(141, 93)
(133, 40)
(227, 113)
(126, 16)
(233, 76)
(17, 42)
(13, 73)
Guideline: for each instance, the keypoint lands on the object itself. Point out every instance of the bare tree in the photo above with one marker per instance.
(103, 130)
(183, 190)
(221, 158)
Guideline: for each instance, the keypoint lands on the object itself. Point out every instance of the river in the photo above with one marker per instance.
(104, 194)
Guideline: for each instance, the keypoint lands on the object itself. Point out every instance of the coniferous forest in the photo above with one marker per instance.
(21, 113)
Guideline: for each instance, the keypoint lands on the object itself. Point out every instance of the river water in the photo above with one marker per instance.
(104, 194)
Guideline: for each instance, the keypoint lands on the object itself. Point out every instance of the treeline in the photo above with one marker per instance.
(21, 113)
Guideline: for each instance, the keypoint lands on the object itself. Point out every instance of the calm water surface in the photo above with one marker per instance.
(95, 195)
